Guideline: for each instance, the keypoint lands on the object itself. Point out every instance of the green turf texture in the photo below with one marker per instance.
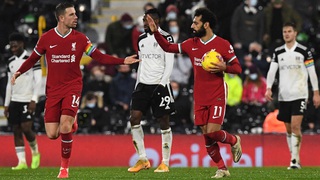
(92, 173)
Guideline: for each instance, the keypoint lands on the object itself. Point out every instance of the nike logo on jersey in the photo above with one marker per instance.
(53, 46)
(193, 49)
(215, 117)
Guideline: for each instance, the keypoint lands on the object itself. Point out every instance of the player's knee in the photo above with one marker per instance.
(52, 135)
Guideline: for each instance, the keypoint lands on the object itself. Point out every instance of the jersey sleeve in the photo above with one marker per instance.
(40, 47)
(165, 44)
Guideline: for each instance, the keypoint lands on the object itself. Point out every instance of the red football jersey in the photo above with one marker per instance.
(208, 87)
(63, 55)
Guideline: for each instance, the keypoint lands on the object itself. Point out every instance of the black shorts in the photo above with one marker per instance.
(18, 113)
(287, 109)
(157, 97)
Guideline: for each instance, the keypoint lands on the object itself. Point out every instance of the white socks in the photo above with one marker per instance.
(20, 150)
(138, 142)
(166, 136)
(34, 147)
(296, 144)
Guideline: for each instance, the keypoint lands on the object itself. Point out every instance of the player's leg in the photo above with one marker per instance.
(31, 138)
(66, 122)
(296, 139)
(162, 107)
(166, 138)
(16, 110)
(201, 115)
(138, 142)
(19, 147)
(216, 115)
(140, 103)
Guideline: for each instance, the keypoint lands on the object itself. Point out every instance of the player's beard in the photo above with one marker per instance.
(200, 33)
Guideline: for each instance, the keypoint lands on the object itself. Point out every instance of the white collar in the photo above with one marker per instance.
(292, 48)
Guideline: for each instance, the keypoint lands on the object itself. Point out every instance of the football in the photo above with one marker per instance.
(207, 58)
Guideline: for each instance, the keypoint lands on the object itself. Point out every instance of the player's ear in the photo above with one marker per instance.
(206, 25)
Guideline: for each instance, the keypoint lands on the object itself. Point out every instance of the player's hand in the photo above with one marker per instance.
(6, 111)
(268, 95)
(32, 107)
(217, 67)
(14, 77)
(316, 100)
(151, 23)
(131, 59)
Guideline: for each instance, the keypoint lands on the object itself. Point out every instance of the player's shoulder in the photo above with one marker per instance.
(221, 40)
(279, 49)
(166, 35)
(302, 47)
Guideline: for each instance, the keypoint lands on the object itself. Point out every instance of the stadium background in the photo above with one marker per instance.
(117, 150)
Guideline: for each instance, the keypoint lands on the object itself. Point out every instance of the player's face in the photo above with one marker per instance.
(16, 47)
(145, 24)
(289, 34)
(197, 27)
(70, 18)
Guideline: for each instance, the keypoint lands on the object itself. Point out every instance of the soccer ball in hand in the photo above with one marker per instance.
(207, 58)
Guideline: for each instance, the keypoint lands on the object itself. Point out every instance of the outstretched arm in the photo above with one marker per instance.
(25, 66)
(165, 45)
(108, 59)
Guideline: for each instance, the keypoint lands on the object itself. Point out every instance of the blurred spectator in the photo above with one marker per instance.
(9, 12)
(254, 88)
(223, 10)
(277, 13)
(92, 118)
(272, 125)
(136, 32)
(254, 103)
(235, 89)
(99, 84)
(118, 36)
(172, 13)
(182, 66)
(121, 88)
(247, 29)
(147, 6)
(181, 119)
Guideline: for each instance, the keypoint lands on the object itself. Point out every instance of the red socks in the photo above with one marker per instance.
(66, 146)
(213, 150)
(223, 137)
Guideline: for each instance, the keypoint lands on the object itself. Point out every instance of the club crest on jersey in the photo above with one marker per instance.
(73, 46)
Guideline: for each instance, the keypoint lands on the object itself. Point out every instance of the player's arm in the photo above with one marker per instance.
(108, 59)
(169, 60)
(270, 79)
(314, 81)
(233, 66)
(37, 80)
(8, 97)
(32, 59)
(165, 45)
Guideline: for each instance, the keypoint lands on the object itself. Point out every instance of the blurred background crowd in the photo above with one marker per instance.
(254, 27)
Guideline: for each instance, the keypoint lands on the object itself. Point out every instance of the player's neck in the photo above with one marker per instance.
(207, 37)
(290, 44)
(63, 30)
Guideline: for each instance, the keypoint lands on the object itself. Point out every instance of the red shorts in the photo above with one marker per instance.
(55, 107)
(209, 114)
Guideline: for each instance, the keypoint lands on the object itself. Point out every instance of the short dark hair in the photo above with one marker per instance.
(154, 13)
(17, 37)
(61, 8)
(290, 24)
(207, 16)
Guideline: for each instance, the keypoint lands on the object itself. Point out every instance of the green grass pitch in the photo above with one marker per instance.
(93, 173)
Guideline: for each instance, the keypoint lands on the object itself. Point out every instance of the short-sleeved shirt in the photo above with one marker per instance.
(293, 74)
(63, 54)
(208, 87)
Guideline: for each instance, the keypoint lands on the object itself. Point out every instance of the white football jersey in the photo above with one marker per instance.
(293, 73)
(28, 85)
(156, 65)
